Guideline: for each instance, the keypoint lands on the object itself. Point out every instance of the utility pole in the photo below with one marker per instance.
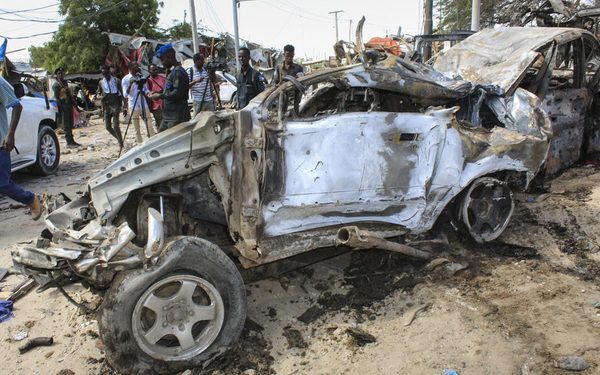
(475, 15)
(194, 27)
(336, 23)
(428, 26)
(236, 36)
(350, 33)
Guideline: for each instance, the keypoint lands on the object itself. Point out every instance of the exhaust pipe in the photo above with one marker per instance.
(156, 234)
(363, 240)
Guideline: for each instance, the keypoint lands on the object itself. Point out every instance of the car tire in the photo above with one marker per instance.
(48, 152)
(485, 209)
(129, 324)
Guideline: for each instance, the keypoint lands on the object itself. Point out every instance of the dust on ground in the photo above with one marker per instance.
(513, 307)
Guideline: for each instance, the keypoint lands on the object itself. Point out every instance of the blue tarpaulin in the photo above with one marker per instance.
(6, 310)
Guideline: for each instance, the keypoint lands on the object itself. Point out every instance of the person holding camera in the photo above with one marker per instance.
(112, 101)
(135, 95)
(200, 86)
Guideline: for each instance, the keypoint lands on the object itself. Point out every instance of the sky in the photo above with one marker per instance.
(306, 24)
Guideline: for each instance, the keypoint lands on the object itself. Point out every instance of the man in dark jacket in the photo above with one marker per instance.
(249, 82)
(66, 102)
(175, 93)
(289, 67)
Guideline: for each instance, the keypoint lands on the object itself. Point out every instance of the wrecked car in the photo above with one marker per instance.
(358, 156)
(558, 65)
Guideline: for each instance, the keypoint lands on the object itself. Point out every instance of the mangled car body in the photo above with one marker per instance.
(351, 156)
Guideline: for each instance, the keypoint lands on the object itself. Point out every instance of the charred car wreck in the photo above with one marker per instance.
(351, 156)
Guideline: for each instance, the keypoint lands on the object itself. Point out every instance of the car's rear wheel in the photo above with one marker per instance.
(48, 152)
(182, 313)
(486, 209)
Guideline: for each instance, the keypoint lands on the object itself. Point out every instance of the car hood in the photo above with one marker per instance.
(184, 149)
(499, 56)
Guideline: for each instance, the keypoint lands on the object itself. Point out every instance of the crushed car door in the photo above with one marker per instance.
(349, 167)
(566, 101)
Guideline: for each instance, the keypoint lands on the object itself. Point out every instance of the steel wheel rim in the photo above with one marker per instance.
(175, 323)
(487, 209)
(48, 150)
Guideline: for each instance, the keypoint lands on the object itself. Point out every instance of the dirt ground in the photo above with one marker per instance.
(513, 307)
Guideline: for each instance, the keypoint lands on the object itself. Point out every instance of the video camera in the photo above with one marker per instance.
(139, 80)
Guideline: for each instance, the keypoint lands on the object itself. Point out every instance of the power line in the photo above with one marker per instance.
(4, 11)
(27, 36)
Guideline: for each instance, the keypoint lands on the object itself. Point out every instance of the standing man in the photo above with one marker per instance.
(201, 86)
(175, 94)
(7, 137)
(155, 84)
(249, 82)
(288, 68)
(112, 102)
(65, 102)
(133, 89)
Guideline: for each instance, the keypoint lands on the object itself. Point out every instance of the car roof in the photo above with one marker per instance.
(499, 56)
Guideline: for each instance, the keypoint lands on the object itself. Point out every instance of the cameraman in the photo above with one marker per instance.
(200, 86)
(134, 90)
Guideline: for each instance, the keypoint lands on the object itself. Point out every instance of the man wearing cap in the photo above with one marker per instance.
(7, 139)
(175, 93)
(288, 68)
(65, 102)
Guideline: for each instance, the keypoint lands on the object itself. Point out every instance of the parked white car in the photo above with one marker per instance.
(36, 143)
(227, 87)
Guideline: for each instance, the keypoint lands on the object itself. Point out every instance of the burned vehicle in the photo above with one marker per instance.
(559, 65)
(357, 156)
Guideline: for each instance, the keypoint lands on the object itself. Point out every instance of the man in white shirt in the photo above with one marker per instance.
(131, 88)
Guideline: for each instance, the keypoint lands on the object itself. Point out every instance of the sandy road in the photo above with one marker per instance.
(511, 310)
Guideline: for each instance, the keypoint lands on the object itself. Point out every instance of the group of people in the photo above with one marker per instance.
(165, 97)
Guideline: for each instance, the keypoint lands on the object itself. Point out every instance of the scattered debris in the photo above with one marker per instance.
(595, 303)
(311, 314)
(20, 336)
(361, 337)
(3, 272)
(449, 371)
(512, 250)
(455, 267)
(22, 289)
(436, 263)
(411, 314)
(571, 363)
(294, 338)
(66, 372)
(35, 342)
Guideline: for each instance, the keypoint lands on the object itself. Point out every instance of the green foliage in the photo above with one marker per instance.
(180, 30)
(80, 46)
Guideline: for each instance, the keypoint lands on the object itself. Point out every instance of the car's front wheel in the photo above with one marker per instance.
(182, 313)
(486, 208)
(48, 152)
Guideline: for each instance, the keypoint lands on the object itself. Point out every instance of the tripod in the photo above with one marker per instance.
(140, 89)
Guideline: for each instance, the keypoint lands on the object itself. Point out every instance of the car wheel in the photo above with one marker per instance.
(48, 152)
(181, 313)
(486, 209)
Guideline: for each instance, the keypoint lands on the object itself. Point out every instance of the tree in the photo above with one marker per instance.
(80, 46)
(181, 30)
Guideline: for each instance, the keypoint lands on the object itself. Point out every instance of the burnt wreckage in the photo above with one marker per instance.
(351, 156)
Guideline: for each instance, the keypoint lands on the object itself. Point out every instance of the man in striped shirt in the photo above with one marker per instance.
(200, 86)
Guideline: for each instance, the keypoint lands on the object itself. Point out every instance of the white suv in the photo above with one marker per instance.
(36, 143)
